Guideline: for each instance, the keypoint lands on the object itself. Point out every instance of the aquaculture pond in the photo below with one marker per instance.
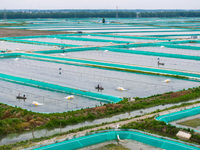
(15, 137)
(136, 59)
(11, 46)
(86, 78)
(73, 42)
(130, 40)
(163, 49)
(48, 101)
(55, 70)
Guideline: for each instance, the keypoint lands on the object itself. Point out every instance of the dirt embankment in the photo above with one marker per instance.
(18, 32)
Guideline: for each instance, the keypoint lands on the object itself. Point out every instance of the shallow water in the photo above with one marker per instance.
(85, 78)
(11, 46)
(170, 50)
(171, 63)
(51, 101)
(73, 42)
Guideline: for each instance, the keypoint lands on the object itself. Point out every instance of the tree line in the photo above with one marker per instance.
(27, 15)
(105, 14)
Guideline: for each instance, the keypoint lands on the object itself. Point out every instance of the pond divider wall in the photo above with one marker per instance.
(66, 50)
(39, 43)
(119, 36)
(179, 115)
(104, 136)
(178, 56)
(171, 35)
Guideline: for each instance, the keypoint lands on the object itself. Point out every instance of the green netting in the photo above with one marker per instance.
(179, 115)
(7, 55)
(185, 41)
(187, 47)
(120, 36)
(152, 53)
(112, 135)
(170, 44)
(145, 31)
(39, 43)
(113, 28)
(88, 39)
(99, 35)
(53, 87)
(133, 45)
(66, 50)
(30, 37)
(166, 35)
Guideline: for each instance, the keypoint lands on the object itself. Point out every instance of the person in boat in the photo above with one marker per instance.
(98, 86)
(24, 96)
(60, 70)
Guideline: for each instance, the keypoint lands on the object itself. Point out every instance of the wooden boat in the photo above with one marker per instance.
(99, 88)
(20, 97)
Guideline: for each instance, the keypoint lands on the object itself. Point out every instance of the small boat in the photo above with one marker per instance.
(99, 88)
(161, 63)
(20, 97)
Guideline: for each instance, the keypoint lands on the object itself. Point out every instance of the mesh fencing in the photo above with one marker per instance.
(152, 53)
(112, 135)
(38, 42)
(179, 115)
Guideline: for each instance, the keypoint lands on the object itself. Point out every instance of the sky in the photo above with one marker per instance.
(100, 4)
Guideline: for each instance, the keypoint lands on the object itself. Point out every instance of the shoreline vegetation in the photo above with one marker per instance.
(162, 126)
(30, 14)
(15, 119)
(141, 72)
(18, 120)
(191, 123)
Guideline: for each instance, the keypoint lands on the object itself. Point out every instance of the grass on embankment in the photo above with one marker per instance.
(13, 119)
(191, 123)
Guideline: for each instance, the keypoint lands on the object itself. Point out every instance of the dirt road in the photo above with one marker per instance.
(18, 32)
